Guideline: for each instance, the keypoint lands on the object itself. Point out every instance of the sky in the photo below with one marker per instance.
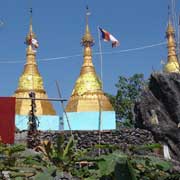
(60, 25)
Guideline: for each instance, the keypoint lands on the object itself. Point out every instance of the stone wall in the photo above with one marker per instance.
(86, 139)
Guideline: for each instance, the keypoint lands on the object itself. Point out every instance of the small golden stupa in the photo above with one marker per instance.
(87, 95)
(31, 80)
(172, 64)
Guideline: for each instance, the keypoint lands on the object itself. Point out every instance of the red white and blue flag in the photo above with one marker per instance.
(33, 42)
(106, 36)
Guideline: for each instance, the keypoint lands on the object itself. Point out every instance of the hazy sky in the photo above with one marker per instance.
(60, 25)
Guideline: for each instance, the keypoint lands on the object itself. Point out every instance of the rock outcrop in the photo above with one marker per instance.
(158, 110)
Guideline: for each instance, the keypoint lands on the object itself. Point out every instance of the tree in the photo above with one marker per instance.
(128, 91)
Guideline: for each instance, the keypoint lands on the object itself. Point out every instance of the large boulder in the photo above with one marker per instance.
(158, 110)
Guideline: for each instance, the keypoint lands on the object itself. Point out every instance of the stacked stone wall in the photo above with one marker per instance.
(87, 139)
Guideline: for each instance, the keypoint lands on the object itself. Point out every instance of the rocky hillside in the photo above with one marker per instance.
(158, 110)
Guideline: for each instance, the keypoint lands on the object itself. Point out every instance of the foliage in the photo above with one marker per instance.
(62, 157)
(128, 91)
(103, 167)
(125, 171)
(60, 154)
(9, 154)
(35, 160)
(111, 166)
(120, 166)
(24, 163)
(46, 173)
(150, 168)
(146, 147)
(129, 166)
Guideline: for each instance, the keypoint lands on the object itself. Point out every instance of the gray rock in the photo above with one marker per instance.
(159, 110)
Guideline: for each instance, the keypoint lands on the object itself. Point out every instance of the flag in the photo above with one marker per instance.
(106, 36)
(7, 119)
(33, 42)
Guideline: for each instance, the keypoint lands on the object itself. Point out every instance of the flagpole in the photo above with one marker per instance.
(100, 103)
(101, 58)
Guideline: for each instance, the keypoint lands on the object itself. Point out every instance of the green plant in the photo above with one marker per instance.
(46, 173)
(60, 154)
(146, 148)
(108, 167)
(118, 165)
(150, 167)
(10, 154)
(128, 91)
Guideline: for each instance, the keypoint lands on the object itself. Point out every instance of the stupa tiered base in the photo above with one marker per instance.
(90, 120)
(46, 122)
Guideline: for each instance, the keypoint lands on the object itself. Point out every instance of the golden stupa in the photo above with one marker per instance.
(172, 64)
(31, 81)
(87, 94)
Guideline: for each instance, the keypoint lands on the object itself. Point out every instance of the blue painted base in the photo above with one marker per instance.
(90, 120)
(45, 122)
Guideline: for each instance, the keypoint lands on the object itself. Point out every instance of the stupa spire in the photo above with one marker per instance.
(30, 25)
(87, 39)
(87, 91)
(31, 36)
(172, 64)
(31, 80)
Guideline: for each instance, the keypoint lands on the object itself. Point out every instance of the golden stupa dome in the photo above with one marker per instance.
(31, 81)
(87, 94)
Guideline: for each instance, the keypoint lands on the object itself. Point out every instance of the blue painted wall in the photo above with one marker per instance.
(45, 122)
(90, 120)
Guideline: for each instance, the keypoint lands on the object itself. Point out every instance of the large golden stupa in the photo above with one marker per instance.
(31, 80)
(87, 95)
(172, 64)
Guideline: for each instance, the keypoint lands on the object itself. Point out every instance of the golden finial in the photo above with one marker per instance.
(87, 39)
(172, 64)
(31, 34)
(170, 29)
(30, 27)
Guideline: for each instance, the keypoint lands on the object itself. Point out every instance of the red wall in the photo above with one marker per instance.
(7, 119)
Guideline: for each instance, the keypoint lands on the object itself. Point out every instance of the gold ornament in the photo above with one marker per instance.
(172, 64)
(87, 94)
